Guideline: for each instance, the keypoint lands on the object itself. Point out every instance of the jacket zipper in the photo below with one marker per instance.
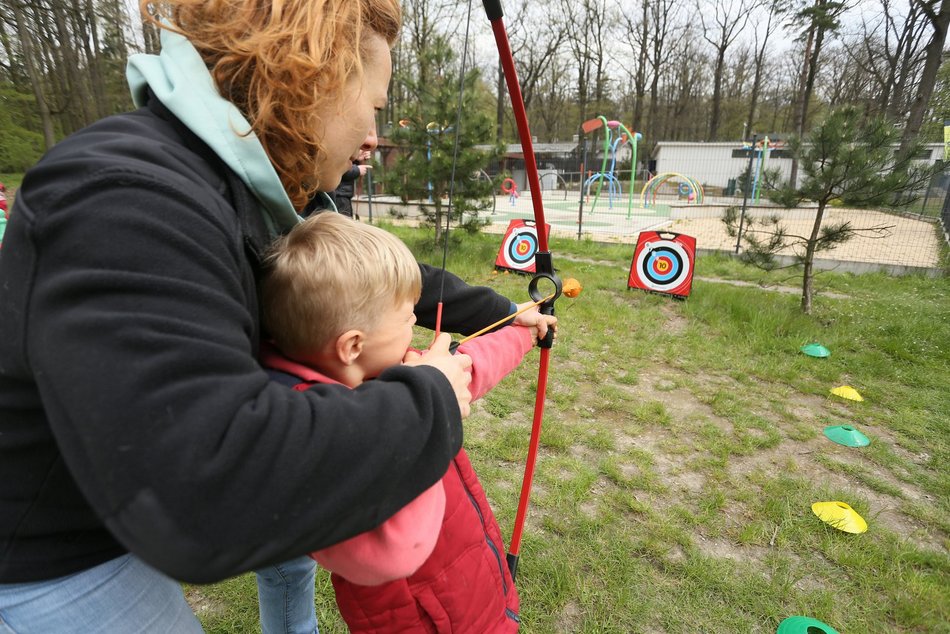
(491, 544)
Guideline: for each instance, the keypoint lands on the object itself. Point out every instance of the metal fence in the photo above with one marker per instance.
(913, 238)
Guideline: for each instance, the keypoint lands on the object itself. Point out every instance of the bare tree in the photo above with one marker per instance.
(663, 30)
(889, 55)
(587, 41)
(721, 29)
(761, 36)
(939, 20)
(818, 21)
(553, 100)
(34, 72)
(535, 44)
(684, 115)
(637, 32)
(842, 79)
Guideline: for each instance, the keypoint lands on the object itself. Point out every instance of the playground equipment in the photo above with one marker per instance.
(613, 141)
(688, 187)
(510, 187)
(760, 151)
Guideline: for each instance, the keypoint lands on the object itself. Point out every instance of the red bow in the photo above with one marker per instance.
(544, 266)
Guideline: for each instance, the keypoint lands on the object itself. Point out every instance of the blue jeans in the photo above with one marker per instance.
(285, 594)
(119, 596)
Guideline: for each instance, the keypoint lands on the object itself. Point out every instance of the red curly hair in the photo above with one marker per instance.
(281, 62)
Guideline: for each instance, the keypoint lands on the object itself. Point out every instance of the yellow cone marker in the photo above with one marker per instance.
(848, 392)
(840, 516)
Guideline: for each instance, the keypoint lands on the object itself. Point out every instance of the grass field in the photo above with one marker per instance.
(683, 447)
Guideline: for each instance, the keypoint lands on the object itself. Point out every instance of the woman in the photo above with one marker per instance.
(140, 441)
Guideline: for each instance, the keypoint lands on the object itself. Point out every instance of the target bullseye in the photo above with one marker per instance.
(663, 263)
(519, 247)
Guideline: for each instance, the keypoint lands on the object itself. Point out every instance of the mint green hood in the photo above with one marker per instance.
(180, 80)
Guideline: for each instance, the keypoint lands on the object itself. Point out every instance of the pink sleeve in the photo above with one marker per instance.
(495, 355)
(395, 549)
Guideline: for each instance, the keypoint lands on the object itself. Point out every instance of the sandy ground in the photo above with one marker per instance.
(905, 241)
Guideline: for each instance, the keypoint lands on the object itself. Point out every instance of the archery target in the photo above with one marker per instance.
(519, 246)
(663, 263)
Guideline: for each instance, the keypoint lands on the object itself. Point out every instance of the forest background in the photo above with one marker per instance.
(670, 69)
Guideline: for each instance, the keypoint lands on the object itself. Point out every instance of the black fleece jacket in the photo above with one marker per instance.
(133, 414)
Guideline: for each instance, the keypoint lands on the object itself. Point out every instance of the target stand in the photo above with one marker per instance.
(519, 246)
(663, 263)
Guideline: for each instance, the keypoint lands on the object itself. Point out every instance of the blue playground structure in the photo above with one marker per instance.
(616, 136)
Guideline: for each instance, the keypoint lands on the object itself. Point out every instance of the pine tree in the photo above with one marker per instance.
(424, 168)
(844, 158)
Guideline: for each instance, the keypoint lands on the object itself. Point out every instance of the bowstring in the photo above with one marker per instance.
(455, 153)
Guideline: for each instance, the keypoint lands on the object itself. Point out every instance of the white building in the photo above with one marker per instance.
(714, 164)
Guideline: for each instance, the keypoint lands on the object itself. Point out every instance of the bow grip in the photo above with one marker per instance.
(493, 9)
(544, 267)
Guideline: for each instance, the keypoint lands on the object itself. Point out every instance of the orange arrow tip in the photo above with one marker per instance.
(571, 287)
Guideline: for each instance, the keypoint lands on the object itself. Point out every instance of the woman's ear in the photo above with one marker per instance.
(349, 346)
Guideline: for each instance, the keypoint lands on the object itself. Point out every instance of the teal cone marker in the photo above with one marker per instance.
(846, 435)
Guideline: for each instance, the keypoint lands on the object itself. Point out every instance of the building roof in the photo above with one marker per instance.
(514, 149)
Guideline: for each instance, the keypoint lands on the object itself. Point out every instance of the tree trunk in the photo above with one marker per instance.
(717, 95)
(76, 98)
(928, 77)
(757, 78)
(26, 44)
(91, 47)
(800, 105)
(809, 259)
(641, 74)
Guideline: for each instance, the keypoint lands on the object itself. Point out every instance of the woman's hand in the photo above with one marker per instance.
(453, 366)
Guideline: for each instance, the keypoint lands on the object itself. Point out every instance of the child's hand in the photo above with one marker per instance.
(453, 366)
(536, 322)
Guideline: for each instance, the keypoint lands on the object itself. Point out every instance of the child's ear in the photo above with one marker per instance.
(349, 346)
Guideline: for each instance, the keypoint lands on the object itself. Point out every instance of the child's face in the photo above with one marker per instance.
(386, 346)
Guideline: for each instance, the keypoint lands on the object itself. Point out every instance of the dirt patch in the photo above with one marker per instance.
(724, 549)
(675, 323)
(789, 290)
(570, 618)
(672, 459)
(202, 606)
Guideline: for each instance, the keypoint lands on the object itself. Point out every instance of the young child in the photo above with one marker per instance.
(338, 301)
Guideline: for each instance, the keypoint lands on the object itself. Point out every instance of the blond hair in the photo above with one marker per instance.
(281, 62)
(330, 274)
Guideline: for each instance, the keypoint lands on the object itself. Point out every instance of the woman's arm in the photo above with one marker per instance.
(139, 337)
(466, 309)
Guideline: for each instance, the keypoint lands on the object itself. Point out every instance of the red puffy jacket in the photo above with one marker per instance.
(463, 587)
